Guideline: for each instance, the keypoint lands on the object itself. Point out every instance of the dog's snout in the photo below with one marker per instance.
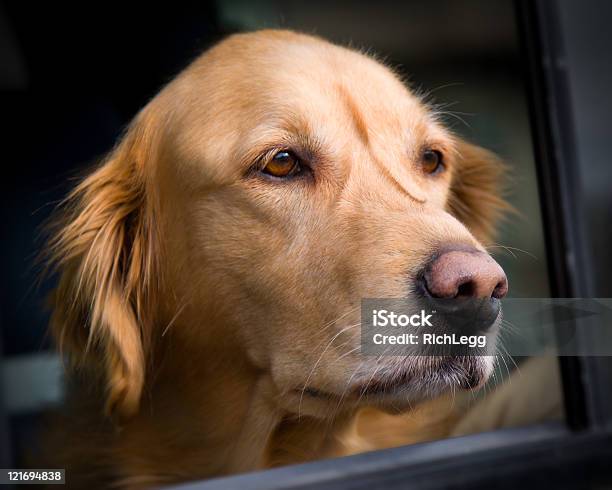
(465, 274)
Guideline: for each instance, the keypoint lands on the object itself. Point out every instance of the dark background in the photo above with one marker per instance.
(72, 78)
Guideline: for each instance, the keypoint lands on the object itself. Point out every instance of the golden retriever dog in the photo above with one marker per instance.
(211, 269)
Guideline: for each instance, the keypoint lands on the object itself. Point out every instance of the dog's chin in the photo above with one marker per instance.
(402, 391)
(395, 392)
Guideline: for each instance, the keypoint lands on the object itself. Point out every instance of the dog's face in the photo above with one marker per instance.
(280, 180)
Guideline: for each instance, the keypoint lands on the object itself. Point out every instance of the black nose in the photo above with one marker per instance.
(465, 286)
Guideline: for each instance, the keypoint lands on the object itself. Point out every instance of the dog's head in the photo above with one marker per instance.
(252, 204)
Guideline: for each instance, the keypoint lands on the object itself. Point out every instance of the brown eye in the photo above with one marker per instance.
(283, 164)
(432, 161)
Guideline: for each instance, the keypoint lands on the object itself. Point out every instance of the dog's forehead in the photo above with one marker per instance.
(273, 68)
(255, 87)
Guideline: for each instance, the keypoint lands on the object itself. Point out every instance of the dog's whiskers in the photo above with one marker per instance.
(501, 354)
(176, 315)
(364, 390)
(347, 354)
(345, 391)
(319, 360)
(511, 250)
(336, 320)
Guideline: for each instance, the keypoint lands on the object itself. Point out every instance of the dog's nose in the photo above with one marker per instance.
(463, 286)
(467, 273)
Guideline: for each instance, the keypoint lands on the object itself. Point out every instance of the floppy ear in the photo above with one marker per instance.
(476, 197)
(104, 246)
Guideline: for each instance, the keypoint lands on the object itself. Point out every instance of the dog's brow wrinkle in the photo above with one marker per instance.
(356, 115)
(362, 131)
(395, 182)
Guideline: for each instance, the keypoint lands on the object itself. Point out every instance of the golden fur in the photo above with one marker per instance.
(198, 300)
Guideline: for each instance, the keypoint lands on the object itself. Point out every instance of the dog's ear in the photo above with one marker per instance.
(477, 189)
(103, 245)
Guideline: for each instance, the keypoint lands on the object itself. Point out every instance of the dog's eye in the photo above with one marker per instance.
(432, 161)
(283, 164)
